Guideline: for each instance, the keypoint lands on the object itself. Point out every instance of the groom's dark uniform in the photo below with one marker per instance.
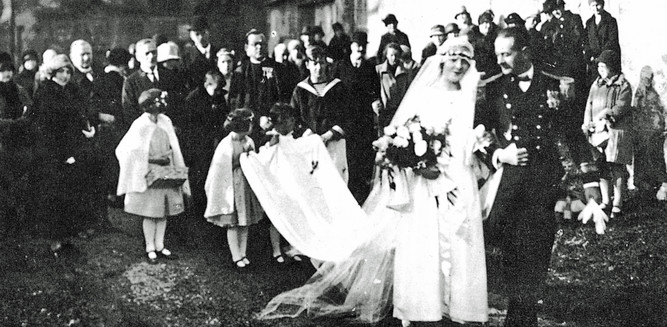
(521, 221)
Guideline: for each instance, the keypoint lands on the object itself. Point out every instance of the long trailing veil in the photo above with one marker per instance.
(360, 287)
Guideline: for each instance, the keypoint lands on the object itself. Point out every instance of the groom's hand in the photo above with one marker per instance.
(512, 155)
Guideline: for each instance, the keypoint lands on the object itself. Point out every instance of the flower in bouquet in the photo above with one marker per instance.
(411, 145)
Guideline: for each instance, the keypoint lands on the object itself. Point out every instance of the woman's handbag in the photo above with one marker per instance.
(166, 176)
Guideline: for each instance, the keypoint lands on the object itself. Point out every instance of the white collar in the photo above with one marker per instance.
(112, 68)
(204, 50)
(529, 73)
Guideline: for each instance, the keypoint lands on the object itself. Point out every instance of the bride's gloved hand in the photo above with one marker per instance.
(512, 155)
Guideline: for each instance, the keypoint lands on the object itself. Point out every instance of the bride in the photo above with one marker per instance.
(424, 258)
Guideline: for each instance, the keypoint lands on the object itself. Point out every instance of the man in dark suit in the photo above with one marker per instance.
(84, 77)
(359, 77)
(520, 107)
(109, 89)
(200, 57)
(259, 85)
(150, 76)
(601, 34)
(81, 55)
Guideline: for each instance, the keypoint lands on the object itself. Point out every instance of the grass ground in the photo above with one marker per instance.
(617, 279)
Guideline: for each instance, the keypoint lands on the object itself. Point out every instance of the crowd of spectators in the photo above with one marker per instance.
(79, 115)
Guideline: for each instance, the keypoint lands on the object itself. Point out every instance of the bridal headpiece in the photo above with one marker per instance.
(457, 47)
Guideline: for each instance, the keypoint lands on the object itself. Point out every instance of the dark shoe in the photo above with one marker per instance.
(166, 254)
(616, 212)
(151, 257)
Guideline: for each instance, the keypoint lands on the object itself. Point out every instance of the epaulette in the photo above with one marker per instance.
(484, 82)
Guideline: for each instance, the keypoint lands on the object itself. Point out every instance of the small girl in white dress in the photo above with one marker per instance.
(231, 202)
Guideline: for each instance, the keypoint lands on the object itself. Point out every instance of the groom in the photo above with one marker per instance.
(521, 221)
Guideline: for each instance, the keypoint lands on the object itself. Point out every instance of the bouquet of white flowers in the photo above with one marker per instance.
(411, 145)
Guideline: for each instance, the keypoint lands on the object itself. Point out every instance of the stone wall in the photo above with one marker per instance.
(43, 24)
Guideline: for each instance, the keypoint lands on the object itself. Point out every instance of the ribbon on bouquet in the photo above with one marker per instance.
(400, 194)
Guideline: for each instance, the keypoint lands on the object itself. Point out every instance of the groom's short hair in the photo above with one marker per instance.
(518, 34)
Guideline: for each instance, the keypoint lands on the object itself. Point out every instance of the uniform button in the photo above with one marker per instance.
(516, 138)
(538, 126)
(508, 106)
(515, 127)
(561, 25)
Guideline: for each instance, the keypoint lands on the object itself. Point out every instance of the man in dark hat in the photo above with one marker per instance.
(514, 20)
(200, 57)
(359, 77)
(339, 45)
(26, 76)
(393, 35)
(601, 34)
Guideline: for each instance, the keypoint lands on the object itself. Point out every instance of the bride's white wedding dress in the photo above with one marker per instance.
(424, 256)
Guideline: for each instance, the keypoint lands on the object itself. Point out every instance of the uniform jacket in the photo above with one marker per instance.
(328, 111)
(524, 119)
(601, 37)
